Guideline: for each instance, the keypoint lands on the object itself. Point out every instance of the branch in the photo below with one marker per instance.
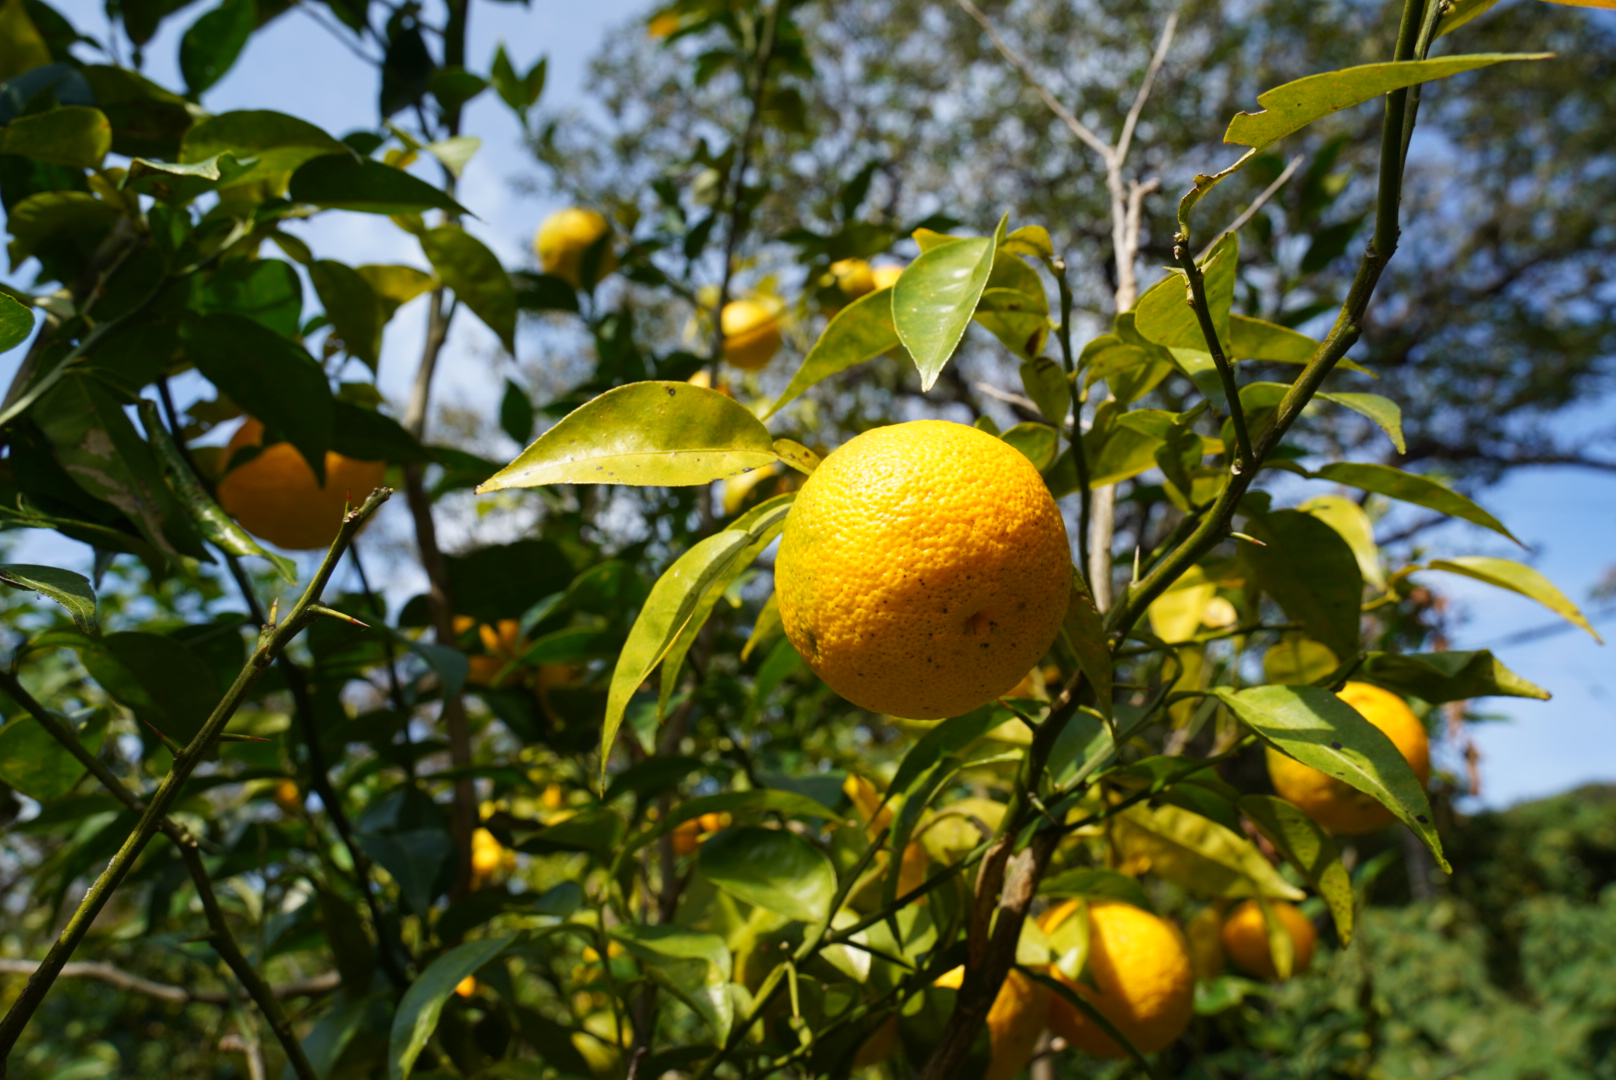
(1143, 95)
(272, 640)
(176, 995)
(1243, 461)
(1256, 204)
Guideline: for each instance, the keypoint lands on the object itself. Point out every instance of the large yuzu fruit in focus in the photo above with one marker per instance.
(924, 568)
(563, 239)
(1335, 804)
(1141, 964)
(276, 498)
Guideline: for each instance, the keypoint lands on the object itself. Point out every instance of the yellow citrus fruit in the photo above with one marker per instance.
(1142, 968)
(564, 238)
(923, 569)
(1335, 804)
(1015, 1021)
(487, 856)
(884, 277)
(751, 334)
(467, 986)
(1245, 938)
(853, 277)
(288, 797)
(275, 497)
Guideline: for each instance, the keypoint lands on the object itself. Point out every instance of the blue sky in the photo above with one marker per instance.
(1567, 518)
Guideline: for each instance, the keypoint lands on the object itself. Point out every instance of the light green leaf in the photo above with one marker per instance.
(1254, 339)
(672, 952)
(1037, 442)
(455, 153)
(796, 455)
(1517, 578)
(173, 182)
(1085, 633)
(347, 182)
(418, 1012)
(21, 46)
(1437, 678)
(73, 135)
(16, 323)
(772, 868)
(33, 762)
(1411, 488)
(644, 434)
(1029, 240)
(1348, 518)
(1312, 573)
(1293, 106)
(1045, 383)
(278, 143)
(73, 591)
(1320, 730)
(1198, 853)
(934, 300)
(1014, 306)
(1310, 849)
(395, 286)
(1120, 445)
(1164, 315)
(860, 331)
(1461, 12)
(1383, 411)
(1298, 660)
(674, 601)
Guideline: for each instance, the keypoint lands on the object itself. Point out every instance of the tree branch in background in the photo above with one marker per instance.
(174, 995)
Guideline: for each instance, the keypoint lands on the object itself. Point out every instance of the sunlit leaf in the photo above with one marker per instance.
(648, 433)
(934, 300)
(1310, 849)
(772, 868)
(1163, 314)
(1198, 853)
(277, 143)
(1348, 518)
(1517, 578)
(1085, 633)
(1320, 730)
(1312, 573)
(1411, 488)
(1037, 443)
(73, 591)
(73, 135)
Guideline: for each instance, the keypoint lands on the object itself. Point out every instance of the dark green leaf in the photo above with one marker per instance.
(265, 290)
(1438, 678)
(70, 135)
(1312, 573)
(648, 433)
(1320, 730)
(422, 1004)
(478, 279)
(367, 435)
(352, 306)
(693, 964)
(1085, 633)
(772, 868)
(345, 182)
(161, 680)
(34, 763)
(1037, 443)
(16, 323)
(212, 43)
(1328, 245)
(416, 858)
(516, 413)
(72, 591)
(757, 800)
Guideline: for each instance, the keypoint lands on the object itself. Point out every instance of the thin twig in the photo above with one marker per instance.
(314, 986)
(1156, 60)
(1256, 204)
(1231, 390)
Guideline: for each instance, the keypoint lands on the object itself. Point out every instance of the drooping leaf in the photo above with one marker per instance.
(212, 43)
(861, 331)
(418, 1012)
(1517, 578)
(479, 281)
(1198, 853)
(73, 591)
(345, 182)
(1291, 107)
(1312, 573)
(1320, 730)
(72, 135)
(674, 601)
(1045, 383)
(1310, 849)
(772, 868)
(648, 433)
(277, 143)
(1411, 488)
(272, 378)
(352, 307)
(934, 300)
(1438, 678)
(1085, 633)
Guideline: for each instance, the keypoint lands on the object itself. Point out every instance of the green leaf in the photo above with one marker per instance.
(1085, 633)
(1461, 12)
(16, 323)
(454, 86)
(1014, 306)
(277, 143)
(1511, 575)
(267, 291)
(1312, 573)
(674, 601)
(60, 227)
(465, 264)
(1437, 678)
(516, 413)
(1120, 445)
(934, 300)
(346, 182)
(366, 435)
(456, 153)
(861, 331)
(1383, 411)
(1320, 730)
(1310, 849)
(73, 135)
(948, 738)
(772, 868)
(1029, 240)
(1037, 443)
(418, 1012)
(1099, 884)
(674, 951)
(644, 434)
(1163, 314)
(1198, 853)
(33, 762)
(396, 286)
(1348, 518)
(172, 182)
(352, 307)
(1293, 106)
(1045, 383)
(269, 376)
(758, 800)
(1254, 339)
(73, 591)
(212, 43)
(1298, 660)
(21, 47)
(1411, 488)
(159, 679)
(416, 859)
